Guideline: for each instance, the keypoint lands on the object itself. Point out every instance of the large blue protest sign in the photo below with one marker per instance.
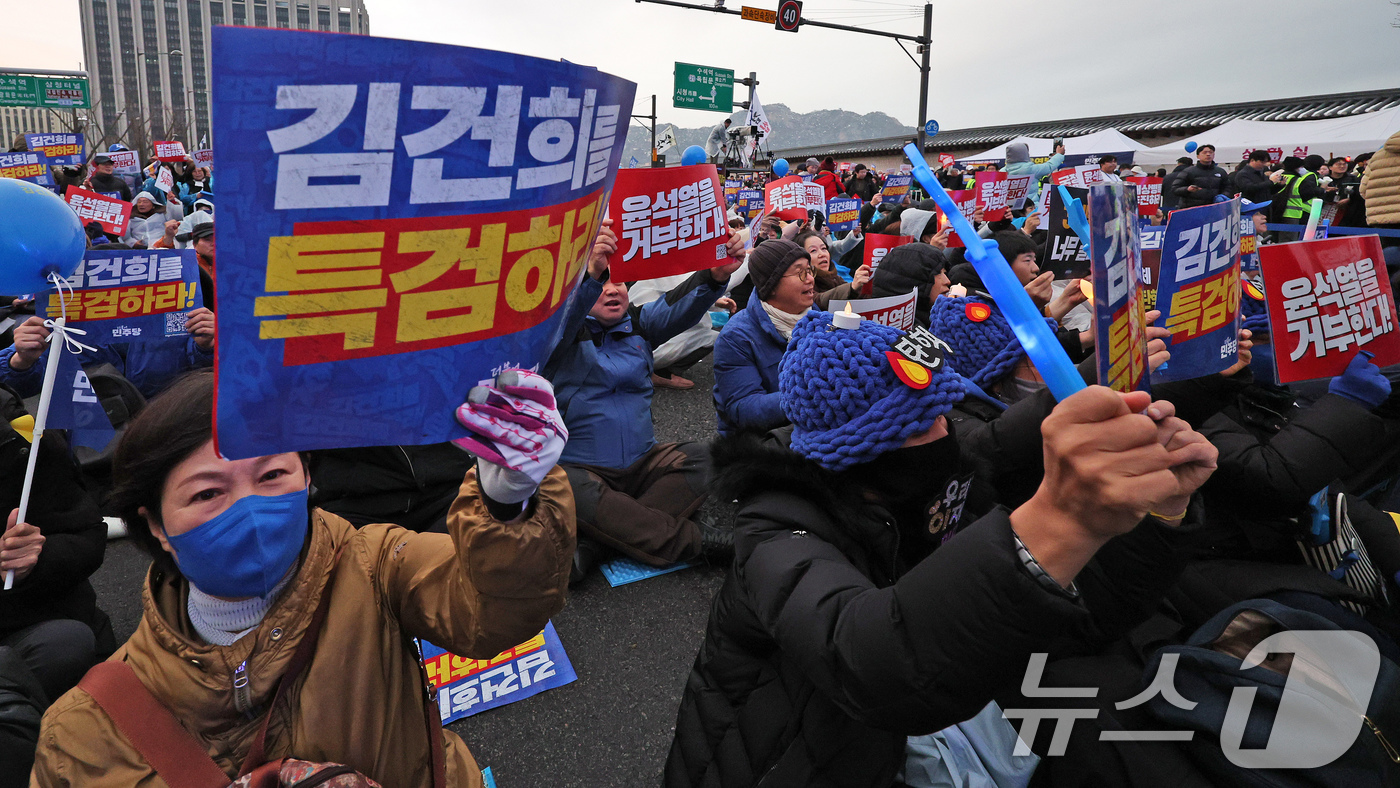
(128, 295)
(1198, 290)
(843, 213)
(464, 687)
(59, 147)
(399, 221)
(32, 166)
(896, 187)
(1120, 331)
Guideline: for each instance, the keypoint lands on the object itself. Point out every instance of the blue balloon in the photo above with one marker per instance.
(41, 236)
(1191, 146)
(780, 167)
(693, 155)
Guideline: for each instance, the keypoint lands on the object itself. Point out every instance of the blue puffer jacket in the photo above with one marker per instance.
(747, 353)
(149, 365)
(602, 375)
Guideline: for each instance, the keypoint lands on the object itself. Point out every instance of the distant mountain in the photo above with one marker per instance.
(790, 130)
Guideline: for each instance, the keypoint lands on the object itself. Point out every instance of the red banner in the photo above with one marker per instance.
(1149, 194)
(992, 188)
(946, 159)
(967, 201)
(167, 150)
(93, 207)
(790, 198)
(671, 221)
(877, 245)
(1328, 300)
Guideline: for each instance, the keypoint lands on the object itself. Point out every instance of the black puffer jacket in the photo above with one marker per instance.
(909, 267)
(1212, 180)
(824, 649)
(75, 538)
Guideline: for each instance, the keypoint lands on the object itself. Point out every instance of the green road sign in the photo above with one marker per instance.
(43, 91)
(704, 87)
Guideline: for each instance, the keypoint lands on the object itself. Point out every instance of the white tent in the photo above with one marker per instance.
(1346, 136)
(1104, 141)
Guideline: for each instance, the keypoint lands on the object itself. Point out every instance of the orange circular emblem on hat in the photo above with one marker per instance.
(977, 312)
(1252, 290)
(911, 374)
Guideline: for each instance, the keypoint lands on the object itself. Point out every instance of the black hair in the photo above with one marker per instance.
(1259, 155)
(1183, 160)
(1203, 147)
(1339, 158)
(1108, 158)
(1013, 244)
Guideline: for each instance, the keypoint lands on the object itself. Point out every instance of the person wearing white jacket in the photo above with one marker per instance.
(148, 218)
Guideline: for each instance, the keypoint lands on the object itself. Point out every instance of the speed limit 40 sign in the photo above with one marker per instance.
(789, 15)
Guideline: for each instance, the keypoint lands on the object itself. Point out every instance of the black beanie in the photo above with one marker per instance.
(769, 261)
(1314, 162)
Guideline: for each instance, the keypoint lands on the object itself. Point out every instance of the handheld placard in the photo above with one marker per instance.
(1314, 216)
(1040, 344)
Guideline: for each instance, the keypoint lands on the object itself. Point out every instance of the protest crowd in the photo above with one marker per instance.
(927, 546)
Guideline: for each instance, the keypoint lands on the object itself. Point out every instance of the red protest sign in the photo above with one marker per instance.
(167, 150)
(967, 201)
(946, 159)
(991, 188)
(877, 245)
(790, 198)
(672, 221)
(895, 311)
(93, 207)
(1066, 177)
(1149, 193)
(1327, 300)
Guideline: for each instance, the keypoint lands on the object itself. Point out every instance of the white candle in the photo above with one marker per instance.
(846, 318)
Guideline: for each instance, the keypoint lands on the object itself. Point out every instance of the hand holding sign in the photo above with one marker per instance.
(20, 546)
(515, 432)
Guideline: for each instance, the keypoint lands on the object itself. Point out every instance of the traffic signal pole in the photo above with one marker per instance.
(922, 41)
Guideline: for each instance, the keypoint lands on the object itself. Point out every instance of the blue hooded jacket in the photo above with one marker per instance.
(747, 353)
(602, 375)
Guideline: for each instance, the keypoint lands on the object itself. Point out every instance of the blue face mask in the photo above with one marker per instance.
(248, 548)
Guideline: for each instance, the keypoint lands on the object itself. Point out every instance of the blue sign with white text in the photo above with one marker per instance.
(32, 166)
(128, 295)
(1198, 290)
(1120, 334)
(398, 221)
(931, 128)
(60, 147)
(843, 213)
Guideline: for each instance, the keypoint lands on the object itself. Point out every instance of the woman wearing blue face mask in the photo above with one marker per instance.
(248, 582)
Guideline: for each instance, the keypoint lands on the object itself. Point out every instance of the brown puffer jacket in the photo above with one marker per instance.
(1381, 184)
(483, 588)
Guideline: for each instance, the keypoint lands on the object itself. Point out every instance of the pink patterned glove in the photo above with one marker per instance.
(517, 434)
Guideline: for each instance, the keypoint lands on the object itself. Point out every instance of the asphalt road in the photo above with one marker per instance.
(631, 647)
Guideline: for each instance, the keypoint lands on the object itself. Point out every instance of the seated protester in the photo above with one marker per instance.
(51, 630)
(917, 266)
(414, 486)
(150, 365)
(245, 571)
(1020, 252)
(202, 241)
(149, 213)
(751, 344)
(632, 494)
(203, 213)
(868, 602)
(829, 285)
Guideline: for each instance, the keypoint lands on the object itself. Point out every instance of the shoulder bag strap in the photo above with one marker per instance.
(306, 649)
(171, 750)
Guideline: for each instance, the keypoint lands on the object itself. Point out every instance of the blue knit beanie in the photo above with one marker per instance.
(985, 349)
(844, 399)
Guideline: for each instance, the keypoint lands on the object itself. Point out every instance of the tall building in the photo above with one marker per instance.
(149, 66)
(15, 121)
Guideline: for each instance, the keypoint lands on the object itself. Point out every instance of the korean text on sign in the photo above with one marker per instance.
(896, 186)
(966, 200)
(750, 202)
(129, 296)
(1198, 290)
(992, 194)
(93, 207)
(893, 311)
(407, 218)
(1149, 194)
(672, 222)
(843, 213)
(1119, 323)
(60, 147)
(29, 166)
(170, 151)
(464, 687)
(1328, 300)
(791, 198)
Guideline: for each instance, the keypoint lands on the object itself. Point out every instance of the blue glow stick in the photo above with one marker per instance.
(1039, 342)
(1074, 212)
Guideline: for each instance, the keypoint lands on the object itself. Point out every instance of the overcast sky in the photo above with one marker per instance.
(994, 61)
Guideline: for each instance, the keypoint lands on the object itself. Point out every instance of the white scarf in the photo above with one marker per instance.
(785, 322)
(222, 622)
